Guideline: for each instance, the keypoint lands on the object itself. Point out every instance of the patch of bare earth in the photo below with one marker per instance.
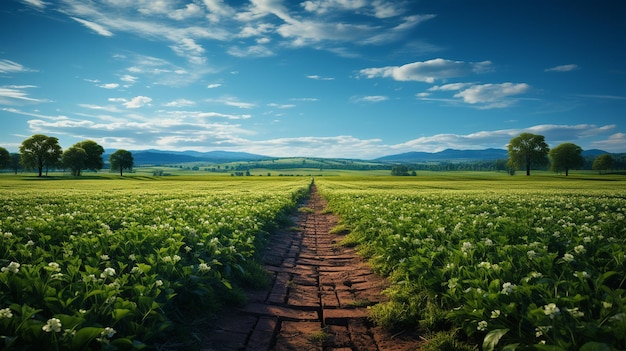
(318, 298)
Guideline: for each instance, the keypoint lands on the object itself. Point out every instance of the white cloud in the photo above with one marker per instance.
(492, 95)
(189, 49)
(214, 85)
(371, 98)
(179, 103)
(137, 102)
(562, 68)
(109, 85)
(281, 106)
(128, 78)
(94, 27)
(190, 10)
(16, 95)
(251, 51)
(231, 101)
(218, 10)
(428, 71)
(614, 143)
(40, 5)
(449, 87)
(8, 66)
(316, 77)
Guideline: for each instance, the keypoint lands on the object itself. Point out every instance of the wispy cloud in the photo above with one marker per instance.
(17, 95)
(427, 71)
(370, 98)
(179, 103)
(94, 27)
(8, 66)
(562, 68)
(109, 86)
(38, 4)
(213, 85)
(483, 96)
(317, 77)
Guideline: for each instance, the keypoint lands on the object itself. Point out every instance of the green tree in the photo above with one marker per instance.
(603, 162)
(121, 159)
(15, 162)
(5, 158)
(40, 151)
(527, 150)
(400, 170)
(74, 158)
(566, 156)
(94, 152)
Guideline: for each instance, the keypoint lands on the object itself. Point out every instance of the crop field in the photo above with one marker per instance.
(507, 263)
(115, 263)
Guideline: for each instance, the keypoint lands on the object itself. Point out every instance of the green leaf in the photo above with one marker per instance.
(492, 338)
(595, 346)
(84, 336)
(120, 313)
(227, 284)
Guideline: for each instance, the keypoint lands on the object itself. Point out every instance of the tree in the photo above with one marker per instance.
(603, 163)
(527, 150)
(15, 162)
(94, 152)
(400, 170)
(566, 156)
(5, 158)
(40, 151)
(121, 159)
(75, 159)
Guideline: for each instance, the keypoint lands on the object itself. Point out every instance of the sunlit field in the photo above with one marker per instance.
(121, 263)
(517, 262)
(484, 258)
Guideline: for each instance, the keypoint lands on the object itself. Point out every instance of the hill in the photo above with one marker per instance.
(450, 155)
(160, 157)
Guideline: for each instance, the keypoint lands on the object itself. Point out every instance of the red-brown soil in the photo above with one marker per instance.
(318, 297)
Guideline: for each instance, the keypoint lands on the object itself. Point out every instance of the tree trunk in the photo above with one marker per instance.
(566, 171)
(121, 170)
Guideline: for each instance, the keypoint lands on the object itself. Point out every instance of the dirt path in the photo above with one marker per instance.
(318, 299)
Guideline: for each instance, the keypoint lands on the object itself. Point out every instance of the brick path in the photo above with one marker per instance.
(318, 299)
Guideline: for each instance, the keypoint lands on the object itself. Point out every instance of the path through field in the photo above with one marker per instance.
(318, 299)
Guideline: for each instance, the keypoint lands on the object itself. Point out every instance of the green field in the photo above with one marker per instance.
(515, 263)
(479, 258)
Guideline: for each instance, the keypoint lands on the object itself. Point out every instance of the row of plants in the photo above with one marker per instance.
(120, 266)
(504, 269)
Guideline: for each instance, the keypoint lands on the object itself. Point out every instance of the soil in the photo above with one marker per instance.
(318, 297)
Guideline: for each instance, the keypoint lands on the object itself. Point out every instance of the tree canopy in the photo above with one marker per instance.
(75, 159)
(566, 156)
(527, 150)
(603, 163)
(40, 151)
(94, 153)
(120, 160)
(5, 158)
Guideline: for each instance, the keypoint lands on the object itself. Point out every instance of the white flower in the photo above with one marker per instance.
(30, 243)
(452, 283)
(551, 310)
(574, 312)
(482, 326)
(53, 325)
(187, 248)
(132, 257)
(580, 249)
(489, 242)
(108, 332)
(54, 266)
(568, 257)
(486, 265)
(203, 267)
(531, 254)
(582, 274)
(6, 313)
(495, 313)
(105, 257)
(507, 288)
(108, 272)
(542, 330)
(13, 267)
(159, 282)
(467, 246)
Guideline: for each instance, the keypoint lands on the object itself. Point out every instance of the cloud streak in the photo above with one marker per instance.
(427, 71)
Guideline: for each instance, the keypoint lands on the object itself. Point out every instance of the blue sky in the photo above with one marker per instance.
(327, 78)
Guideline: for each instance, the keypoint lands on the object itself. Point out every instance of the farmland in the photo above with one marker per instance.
(94, 263)
(509, 262)
(492, 260)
